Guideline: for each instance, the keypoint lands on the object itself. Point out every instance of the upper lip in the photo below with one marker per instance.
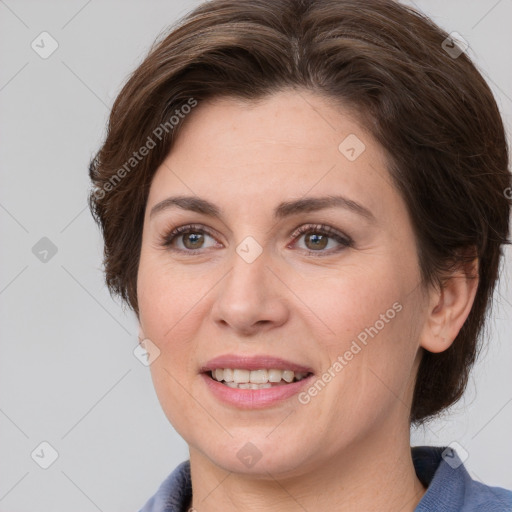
(241, 362)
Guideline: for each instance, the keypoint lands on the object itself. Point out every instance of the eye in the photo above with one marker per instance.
(188, 238)
(318, 236)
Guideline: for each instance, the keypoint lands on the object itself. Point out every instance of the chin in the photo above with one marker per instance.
(259, 456)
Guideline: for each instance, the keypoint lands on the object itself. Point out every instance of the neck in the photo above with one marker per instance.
(375, 474)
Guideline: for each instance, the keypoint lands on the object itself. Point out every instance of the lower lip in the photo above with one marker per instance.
(254, 398)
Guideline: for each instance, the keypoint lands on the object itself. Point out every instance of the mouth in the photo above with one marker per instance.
(240, 378)
(254, 381)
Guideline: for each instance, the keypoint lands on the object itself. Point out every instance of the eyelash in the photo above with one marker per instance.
(320, 229)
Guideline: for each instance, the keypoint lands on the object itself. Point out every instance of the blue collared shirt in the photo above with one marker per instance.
(449, 486)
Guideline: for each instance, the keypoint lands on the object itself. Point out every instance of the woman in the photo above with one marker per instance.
(304, 204)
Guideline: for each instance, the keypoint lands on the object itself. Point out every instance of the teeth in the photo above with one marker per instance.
(288, 375)
(239, 376)
(255, 379)
(275, 375)
(261, 386)
(246, 385)
(259, 376)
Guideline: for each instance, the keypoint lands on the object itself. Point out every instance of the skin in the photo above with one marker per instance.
(349, 447)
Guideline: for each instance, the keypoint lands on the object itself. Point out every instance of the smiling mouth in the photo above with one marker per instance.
(255, 379)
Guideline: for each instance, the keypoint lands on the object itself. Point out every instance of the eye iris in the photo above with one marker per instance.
(195, 238)
(317, 238)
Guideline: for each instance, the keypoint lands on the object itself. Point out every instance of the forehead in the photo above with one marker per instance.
(303, 121)
(289, 144)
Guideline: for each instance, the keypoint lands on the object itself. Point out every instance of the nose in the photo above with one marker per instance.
(252, 297)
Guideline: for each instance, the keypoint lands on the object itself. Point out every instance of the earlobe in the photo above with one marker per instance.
(449, 308)
(141, 333)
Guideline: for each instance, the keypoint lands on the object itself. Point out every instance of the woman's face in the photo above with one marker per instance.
(346, 305)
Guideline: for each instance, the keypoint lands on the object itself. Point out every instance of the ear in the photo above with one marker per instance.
(142, 336)
(449, 308)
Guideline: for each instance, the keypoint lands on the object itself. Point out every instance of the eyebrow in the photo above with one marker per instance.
(283, 210)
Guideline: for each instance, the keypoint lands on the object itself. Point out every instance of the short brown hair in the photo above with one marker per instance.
(432, 111)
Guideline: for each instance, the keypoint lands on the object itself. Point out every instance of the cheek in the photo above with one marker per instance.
(352, 301)
(168, 317)
(371, 342)
(169, 299)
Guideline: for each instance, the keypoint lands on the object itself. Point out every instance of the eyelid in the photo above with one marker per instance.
(342, 239)
(170, 235)
(321, 228)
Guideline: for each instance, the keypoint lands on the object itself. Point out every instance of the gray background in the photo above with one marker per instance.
(67, 372)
